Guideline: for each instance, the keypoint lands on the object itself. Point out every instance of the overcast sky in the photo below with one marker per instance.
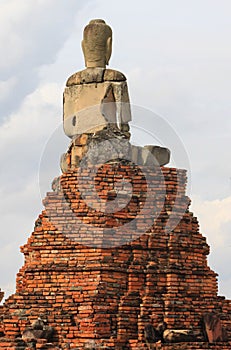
(176, 56)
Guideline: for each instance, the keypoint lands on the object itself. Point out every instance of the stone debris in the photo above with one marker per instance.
(213, 328)
(178, 336)
(38, 330)
(108, 145)
(161, 334)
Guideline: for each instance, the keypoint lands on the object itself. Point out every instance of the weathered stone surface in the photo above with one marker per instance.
(123, 108)
(55, 187)
(95, 75)
(86, 76)
(88, 91)
(108, 106)
(150, 155)
(82, 107)
(30, 335)
(113, 75)
(81, 140)
(151, 335)
(64, 163)
(97, 43)
(135, 152)
(213, 328)
(146, 157)
(38, 330)
(106, 146)
(160, 154)
(178, 336)
(109, 144)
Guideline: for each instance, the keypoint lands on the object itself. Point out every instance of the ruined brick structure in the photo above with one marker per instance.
(97, 293)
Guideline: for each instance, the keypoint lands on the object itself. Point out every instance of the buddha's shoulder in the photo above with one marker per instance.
(95, 75)
(113, 75)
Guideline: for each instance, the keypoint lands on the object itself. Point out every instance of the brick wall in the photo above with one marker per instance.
(99, 273)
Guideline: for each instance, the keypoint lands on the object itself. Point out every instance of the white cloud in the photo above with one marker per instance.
(215, 223)
(6, 87)
(30, 32)
(23, 135)
(8, 289)
(22, 141)
(31, 116)
(18, 210)
(213, 216)
(31, 35)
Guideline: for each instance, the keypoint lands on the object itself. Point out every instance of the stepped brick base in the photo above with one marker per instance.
(7, 344)
(182, 346)
(100, 276)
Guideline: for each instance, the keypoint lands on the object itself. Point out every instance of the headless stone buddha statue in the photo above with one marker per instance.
(96, 97)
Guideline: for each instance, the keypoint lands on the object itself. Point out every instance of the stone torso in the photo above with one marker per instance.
(94, 98)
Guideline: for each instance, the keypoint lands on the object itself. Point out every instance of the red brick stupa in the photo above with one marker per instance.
(116, 259)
